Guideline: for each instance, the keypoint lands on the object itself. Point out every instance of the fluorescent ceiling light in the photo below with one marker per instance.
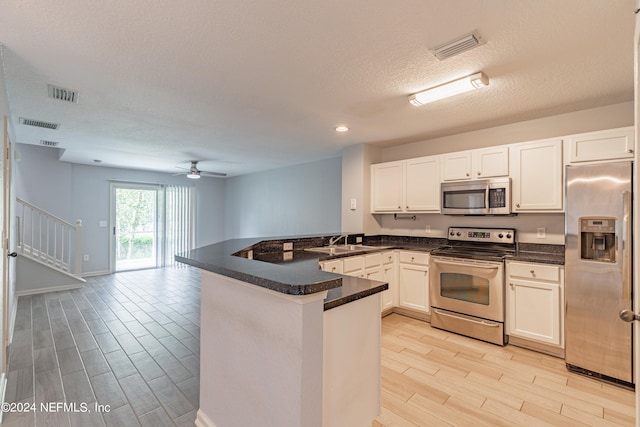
(453, 88)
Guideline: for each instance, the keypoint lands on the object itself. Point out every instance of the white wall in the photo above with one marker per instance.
(296, 200)
(73, 191)
(356, 185)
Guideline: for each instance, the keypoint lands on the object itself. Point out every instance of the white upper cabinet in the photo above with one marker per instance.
(422, 184)
(537, 176)
(406, 186)
(476, 164)
(609, 144)
(456, 166)
(491, 162)
(387, 182)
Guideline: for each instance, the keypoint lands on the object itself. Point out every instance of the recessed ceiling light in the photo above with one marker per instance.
(342, 128)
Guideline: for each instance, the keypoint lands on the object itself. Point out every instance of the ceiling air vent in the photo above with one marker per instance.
(459, 45)
(62, 94)
(39, 123)
(49, 143)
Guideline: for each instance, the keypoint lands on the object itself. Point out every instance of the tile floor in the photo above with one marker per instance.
(122, 351)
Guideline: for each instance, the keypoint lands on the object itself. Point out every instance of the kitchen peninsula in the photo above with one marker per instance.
(282, 342)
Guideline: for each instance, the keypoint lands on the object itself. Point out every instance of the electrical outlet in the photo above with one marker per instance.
(541, 233)
(85, 257)
(427, 229)
(287, 246)
(353, 204)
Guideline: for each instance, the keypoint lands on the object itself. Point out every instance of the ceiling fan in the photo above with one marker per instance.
(194, 173)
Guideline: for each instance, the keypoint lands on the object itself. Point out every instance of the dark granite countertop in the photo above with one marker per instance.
(544, 254)
(262, 262)
(294, 272)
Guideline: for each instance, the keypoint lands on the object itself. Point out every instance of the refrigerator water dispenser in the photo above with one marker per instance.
(598, 239)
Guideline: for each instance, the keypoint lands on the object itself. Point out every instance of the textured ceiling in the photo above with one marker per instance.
(249, 86)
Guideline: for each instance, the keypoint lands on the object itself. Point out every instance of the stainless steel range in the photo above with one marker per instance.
(467, 282)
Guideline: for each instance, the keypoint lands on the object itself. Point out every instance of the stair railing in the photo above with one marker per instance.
(49, 239)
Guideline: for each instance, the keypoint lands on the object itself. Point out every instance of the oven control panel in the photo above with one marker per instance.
(488, 235)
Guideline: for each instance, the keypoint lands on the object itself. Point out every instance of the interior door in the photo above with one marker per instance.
(636, 209)
(6, 243)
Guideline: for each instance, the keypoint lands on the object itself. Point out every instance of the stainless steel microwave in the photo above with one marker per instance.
(479, 197)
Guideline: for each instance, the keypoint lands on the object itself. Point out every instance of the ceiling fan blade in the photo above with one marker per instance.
(218, 174)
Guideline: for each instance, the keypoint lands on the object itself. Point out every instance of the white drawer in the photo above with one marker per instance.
(373, 260)
(534, 271)
(420, 258)
(353, 263)
(388, 258)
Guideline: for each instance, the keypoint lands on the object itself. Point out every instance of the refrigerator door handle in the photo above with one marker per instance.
(624, 248)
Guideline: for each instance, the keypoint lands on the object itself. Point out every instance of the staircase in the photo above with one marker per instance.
(49, 251)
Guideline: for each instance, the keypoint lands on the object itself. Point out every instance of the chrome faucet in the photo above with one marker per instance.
(334, 240)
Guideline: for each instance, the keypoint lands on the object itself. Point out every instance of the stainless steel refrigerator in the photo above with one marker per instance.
(598, 279)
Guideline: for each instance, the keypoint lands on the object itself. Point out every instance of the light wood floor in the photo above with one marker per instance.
(435, 378)
(131, 341)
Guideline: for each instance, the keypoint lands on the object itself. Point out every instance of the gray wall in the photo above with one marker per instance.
(297, 200)
(302, 199)
(73, 191)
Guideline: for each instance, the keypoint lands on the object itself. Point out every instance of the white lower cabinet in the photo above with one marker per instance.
(406, 272)
(388, 268)
(535, 302)
(413, 275)
(353, 266)
(333, 266)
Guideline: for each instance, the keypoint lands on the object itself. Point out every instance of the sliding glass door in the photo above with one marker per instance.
(135, 220)
(149, 224)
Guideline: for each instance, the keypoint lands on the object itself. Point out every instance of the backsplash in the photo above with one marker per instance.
(436, 225)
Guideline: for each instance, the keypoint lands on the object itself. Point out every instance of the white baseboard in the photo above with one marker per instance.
(51, 289)
(95, 273)
(203, 421)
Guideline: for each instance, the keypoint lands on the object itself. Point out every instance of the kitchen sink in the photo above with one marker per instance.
(343, 249)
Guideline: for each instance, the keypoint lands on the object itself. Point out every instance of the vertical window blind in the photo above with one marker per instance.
(179, 221)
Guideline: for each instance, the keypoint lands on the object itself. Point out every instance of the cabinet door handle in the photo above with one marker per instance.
(517, 205)
(630, 150)
(467, 174)
(479, 173)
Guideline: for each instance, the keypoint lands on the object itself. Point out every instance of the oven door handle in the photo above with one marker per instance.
(479, 322)
(463, 264)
